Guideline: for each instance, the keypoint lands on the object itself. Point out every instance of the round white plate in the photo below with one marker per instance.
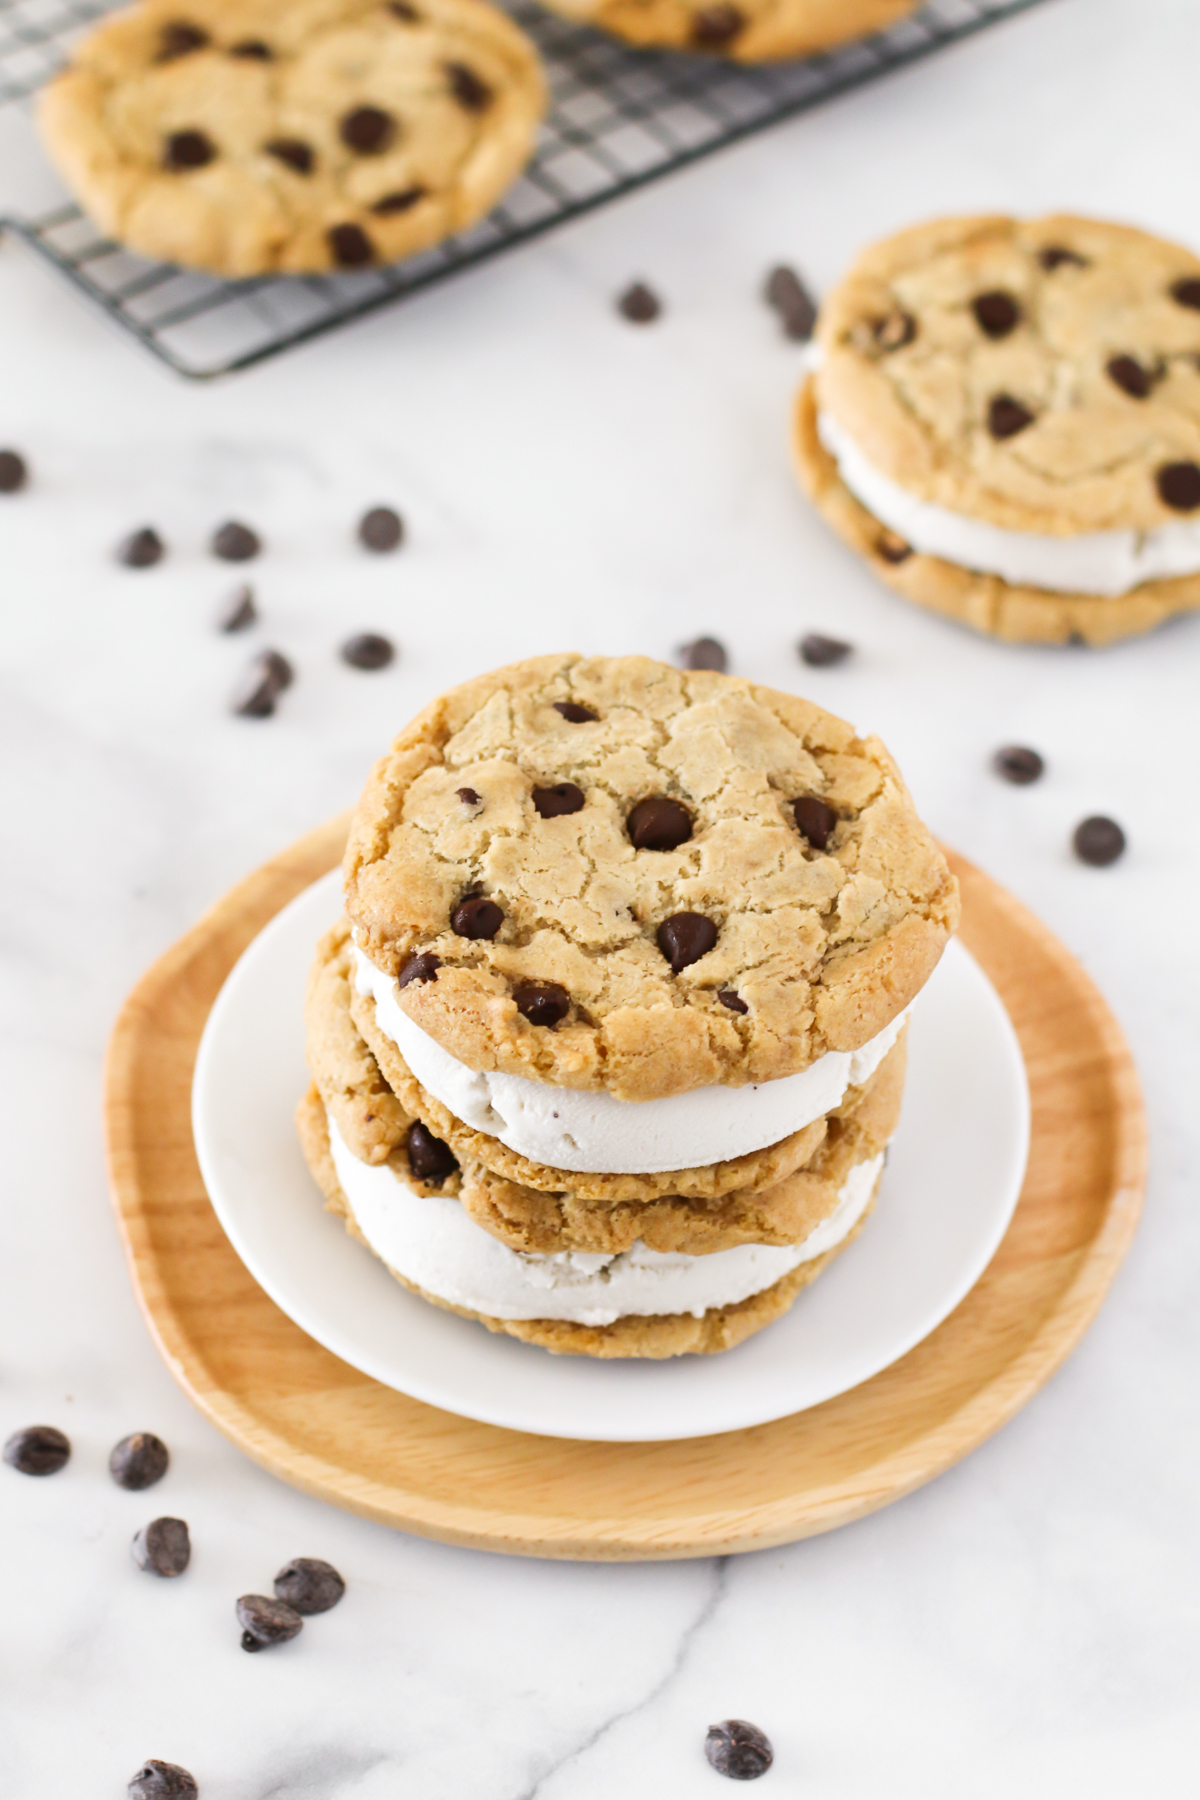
(952, 1180)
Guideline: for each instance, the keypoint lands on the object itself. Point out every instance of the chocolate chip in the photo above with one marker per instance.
(733, 1001)
(37, 1450)
(368, 130)
(639, 304)
(267, 677)
(351, 246)
(139, 1461)
(157, 1780)
(738, 1749)
(368, 651)
(574, 713)
(13, 472)
(823, 652)
(555, 802)
(399, 202)
(235, 543)
(308, 1584)
(996, 313)
(253, 50)
(294, 152)
(381, 529)
(705, 653)
(477, 917)
(658, 823)
(469, 797)
(404, 11)
(1130, 376)
(180, 40)
(895, 331)
(892, 547)
(188, 150)
(163, 1547)
(1007, 416)
(542, 1002)
(814, 819)
(468, 88)
(1056, 256)
(265, 1622)
(142, 549)
(239, 611)
(715, 27)
(1178, 486)
(1018, 764)
(789, 297)
(1098, 841)
(684, 938)
(1186, 292)
(430, 1160)
(423, 965)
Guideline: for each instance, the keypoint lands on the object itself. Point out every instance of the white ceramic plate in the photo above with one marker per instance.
(948, 1192)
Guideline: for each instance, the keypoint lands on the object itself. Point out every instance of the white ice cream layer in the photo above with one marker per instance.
(597, 1134)
(1093, 562)
(434, 1243)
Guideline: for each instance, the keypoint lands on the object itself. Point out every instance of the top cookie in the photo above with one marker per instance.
(605, 874)
(293, 134)
(1041, 376)
(747, 31)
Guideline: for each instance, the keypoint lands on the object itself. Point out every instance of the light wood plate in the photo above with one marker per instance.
(322, 1425)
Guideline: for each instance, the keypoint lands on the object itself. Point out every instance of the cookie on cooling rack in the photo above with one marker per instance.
(293, 135)
(744, 30)
(1004, 419)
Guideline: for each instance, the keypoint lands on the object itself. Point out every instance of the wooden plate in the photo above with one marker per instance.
(322, 1425)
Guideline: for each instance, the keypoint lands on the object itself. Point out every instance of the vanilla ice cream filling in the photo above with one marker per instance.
(434, 1243)
(1104, 563)
(595, 1133)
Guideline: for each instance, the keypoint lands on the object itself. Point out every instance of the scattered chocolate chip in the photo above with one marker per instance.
(430, 1160)
(895, 331)
(555, 802)
(163, 1547)
(13, 472)
(814, 819)
(380, 529)
(37, 1450)
(1007, 416)
(267, 677)
(157, 1780)
(574, 713)
(996, 313)
(738, 1749)
(404, 11)
(477, 917)
(235, 543)
(266, 1622)
(684, 938)
(715, 27)
(294, 152)
(142, 549)
(542, 1002)
(188, 150)
(733, 1001)
(1186, 292)
(178, 39)
(1178, 486)
(823, 652)
(639, 304)
(368, 651)
(1019, 764)
(308, 1584)
(139, 1461)
(1098, 841)
(253, 50)
(469, 797)
(423, 965)
(891, 546)
(351, 246)
(658, 823)
(705, 653)
(1057, 256)
(399, 202)
(788, 296)
(1130, 376)
(368, 130)
(239, 611)
(468, 88)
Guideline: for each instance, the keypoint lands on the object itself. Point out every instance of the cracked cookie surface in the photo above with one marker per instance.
(747, 31)
(293, 135)
(787, 902)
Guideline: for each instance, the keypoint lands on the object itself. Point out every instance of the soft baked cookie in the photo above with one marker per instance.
(245, 136)
(1004, 418)
(609, 875)
(748, 31)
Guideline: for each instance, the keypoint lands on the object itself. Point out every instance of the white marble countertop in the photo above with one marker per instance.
(1025, 1625)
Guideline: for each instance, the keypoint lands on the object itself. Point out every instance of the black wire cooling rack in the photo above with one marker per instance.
(618, 119)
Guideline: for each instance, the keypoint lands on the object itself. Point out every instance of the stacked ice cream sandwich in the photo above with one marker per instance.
(609, 1047)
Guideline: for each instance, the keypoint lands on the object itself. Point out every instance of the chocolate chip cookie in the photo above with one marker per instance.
(748, 31)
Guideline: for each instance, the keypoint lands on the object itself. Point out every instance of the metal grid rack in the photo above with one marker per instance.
(618, 119)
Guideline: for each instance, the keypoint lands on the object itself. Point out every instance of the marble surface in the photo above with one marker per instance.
(1024, 1625)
